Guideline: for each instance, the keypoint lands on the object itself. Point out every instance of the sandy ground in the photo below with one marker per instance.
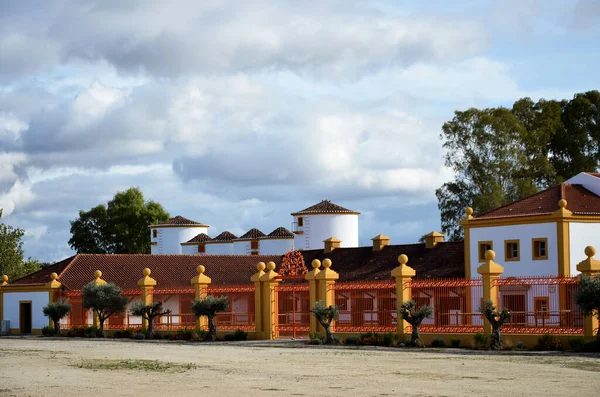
(51, 367)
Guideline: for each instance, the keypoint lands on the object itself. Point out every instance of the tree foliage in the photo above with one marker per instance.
(408, 312)
(209, 306)
(120, 227)
(325, 315)
(11, 253)
(496, 319)
(587, 298)
(55, 311)
(148, 312)
(501, 155)
(104, 300)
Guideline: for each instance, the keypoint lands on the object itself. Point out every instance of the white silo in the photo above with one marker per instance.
(166, 238)
(221, 245)
(196, 245)
(278, 242)
(313, 225)
(249, 243)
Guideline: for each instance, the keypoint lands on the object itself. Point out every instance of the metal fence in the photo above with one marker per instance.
(293, 309)
(366, 306)
(455, 304)
(540, 305)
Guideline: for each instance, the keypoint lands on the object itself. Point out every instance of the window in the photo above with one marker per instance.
(541, 306)
(201, 248)
(154, 233)
(254, 245)
(483, 247)
(511, 250)
(300, 221)
(539, 248)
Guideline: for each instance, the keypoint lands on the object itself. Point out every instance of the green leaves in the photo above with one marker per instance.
(209, 306)
(120, 227)
(501, 155)
(587, 296)
(105, 300)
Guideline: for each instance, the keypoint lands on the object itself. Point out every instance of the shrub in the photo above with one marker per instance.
(157, 335)
(140, 336)
(229, 337)
(592, 346)
(520, 346)
(480, 341)
(240, 335)
(209, 306)
(200, 333)
(47, 331)
(587, 298)
(336, 340)
(408, 312)
(314, 336)
(455, 342)
(325, 315)
(317, 342)
(118, 334)
(56, 311)
(576, 343)
(548, 342)
(186, 334)
(389, 338)
(168, 336)
(351, 340)
(438, 342)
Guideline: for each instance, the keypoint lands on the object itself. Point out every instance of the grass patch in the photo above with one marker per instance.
(593, 366)
(136, 365)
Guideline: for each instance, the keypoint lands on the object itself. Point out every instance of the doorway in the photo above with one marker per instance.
(516, 304)
(25, 317)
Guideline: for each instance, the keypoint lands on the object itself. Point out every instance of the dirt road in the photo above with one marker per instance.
(76, 367)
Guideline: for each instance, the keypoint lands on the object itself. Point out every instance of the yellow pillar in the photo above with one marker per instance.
(3, 282)
(97, 281)
(490, 272)
(146, 285)
(311, 277)
(269, 303)
(201, 283)
(590, 267)
(403, 275)
(326, 280)
(258, 310)
(53, 288)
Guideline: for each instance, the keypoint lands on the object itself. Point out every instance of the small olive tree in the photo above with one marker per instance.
(56, 311)
(209, 306)
(587, 298)
(497, 319)
(325, 316)
(148, 312)
(104, 300)
(408, 311)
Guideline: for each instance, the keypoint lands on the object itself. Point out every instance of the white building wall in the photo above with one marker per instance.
(317, 228)
(12, 308)
(581, 235)
(169, 239)
(276, 246)
(526, 266)
(173, 304)
(189, 249)
(242, 247)
(219, 248)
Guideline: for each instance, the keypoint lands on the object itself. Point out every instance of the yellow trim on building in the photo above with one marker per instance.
(508, 258)
(534, 241)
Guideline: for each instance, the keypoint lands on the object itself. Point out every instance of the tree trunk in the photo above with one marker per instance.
(414, 337)
(328, 337)
(496, 342)
(212, 330)
(150, 321)
(101, 321)
(56, 327)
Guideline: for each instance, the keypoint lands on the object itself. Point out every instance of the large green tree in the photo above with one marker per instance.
(119, 227)
(500, 155)
(11, 253)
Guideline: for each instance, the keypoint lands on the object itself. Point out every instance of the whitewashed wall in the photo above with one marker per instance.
(173, 304)
(169, 239)
(242, 247)
(189, 249)
(526, 266)
(276, 246)
(219, 248)
(12, 308)
(581, 235)
(320, 227)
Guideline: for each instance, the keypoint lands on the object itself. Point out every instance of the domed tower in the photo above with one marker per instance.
(315, 224)
(166, 238)
(221, 245)
(248, 244)
(197, 245)
(278, 242)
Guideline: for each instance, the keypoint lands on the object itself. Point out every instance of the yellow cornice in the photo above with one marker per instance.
(523, 220)
(25, 288)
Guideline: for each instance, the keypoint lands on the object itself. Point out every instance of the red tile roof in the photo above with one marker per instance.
(179, 221)
(252, 234)
(224, 237)
(170, 271)
(279, 233)
(580, 201)
(325, 207)
(197, 239)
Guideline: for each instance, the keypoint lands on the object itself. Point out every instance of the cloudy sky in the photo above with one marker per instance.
(237, 113)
